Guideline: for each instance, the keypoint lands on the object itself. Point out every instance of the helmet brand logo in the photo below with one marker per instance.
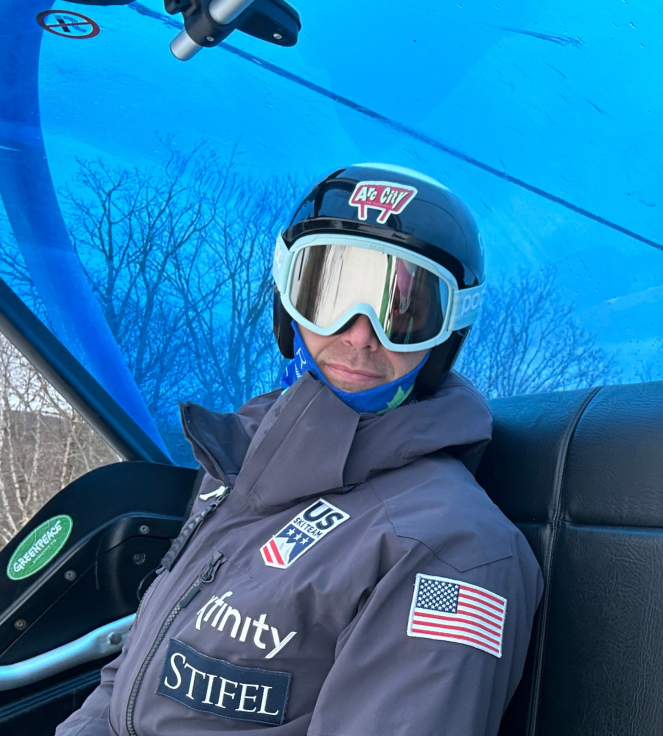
(388, 198)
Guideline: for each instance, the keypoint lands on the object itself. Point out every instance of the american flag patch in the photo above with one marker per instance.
(454, 611)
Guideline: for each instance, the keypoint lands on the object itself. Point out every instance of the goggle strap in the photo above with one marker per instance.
(281, 264)
(465, 307)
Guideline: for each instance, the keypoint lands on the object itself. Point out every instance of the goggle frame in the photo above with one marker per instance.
(462, 308)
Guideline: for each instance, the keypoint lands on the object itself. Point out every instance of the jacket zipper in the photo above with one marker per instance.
(188, 531)
(205, 576)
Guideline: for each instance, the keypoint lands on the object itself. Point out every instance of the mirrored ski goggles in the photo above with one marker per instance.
(412, 302)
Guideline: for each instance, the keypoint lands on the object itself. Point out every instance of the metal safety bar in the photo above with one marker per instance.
(101, 642)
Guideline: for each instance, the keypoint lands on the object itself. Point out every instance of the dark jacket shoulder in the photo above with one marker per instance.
(437, 501)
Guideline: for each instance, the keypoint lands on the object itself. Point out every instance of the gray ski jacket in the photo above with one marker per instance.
(355, 581)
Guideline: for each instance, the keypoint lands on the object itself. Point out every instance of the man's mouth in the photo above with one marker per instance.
(352, 375)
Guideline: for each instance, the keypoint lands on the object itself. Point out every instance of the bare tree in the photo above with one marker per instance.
(229, 328)
(180, 257)
(14, 271)
(528, 340)
(129, 228)
(44, 443)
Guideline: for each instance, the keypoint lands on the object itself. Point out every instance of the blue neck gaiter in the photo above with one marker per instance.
(376, 400)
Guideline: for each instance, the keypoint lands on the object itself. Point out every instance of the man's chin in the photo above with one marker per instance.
(353, 388)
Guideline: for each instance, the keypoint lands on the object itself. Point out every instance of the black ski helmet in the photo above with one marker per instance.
(435, 224)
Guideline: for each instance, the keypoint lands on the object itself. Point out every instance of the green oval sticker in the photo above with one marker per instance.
(39, 547)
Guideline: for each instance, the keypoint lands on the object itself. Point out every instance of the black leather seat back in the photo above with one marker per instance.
(581, 473)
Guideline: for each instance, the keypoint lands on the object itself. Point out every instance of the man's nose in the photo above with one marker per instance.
(361, 335)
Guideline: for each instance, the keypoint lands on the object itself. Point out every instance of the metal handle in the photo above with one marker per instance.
(105, 640)
(225, 11)
(222, 11)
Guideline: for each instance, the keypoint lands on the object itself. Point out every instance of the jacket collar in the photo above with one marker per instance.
(306, 442)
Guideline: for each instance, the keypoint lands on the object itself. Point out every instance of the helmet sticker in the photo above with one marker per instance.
(389, 198)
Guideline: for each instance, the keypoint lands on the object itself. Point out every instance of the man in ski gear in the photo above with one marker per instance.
(342, 573)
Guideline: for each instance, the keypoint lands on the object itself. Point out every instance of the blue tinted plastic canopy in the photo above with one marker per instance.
(545, 117)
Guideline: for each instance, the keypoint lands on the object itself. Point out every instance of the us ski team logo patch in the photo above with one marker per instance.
(389, 198)
(297, 537)
(451, 610)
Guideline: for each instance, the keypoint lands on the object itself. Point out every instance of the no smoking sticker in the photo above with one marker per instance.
(68, 24)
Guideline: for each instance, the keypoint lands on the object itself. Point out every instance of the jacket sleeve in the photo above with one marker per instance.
(92, 718)
(391, 679)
